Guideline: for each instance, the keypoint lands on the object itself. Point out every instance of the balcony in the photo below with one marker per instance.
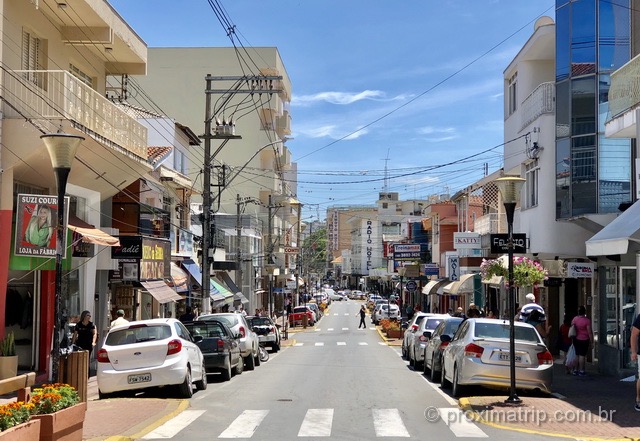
(542, 100)
(624, 95)
(47, 96)
(487, 224)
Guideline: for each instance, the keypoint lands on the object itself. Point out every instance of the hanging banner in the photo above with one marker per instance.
(36, 223)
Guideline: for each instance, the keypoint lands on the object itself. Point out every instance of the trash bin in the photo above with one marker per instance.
(74, 371)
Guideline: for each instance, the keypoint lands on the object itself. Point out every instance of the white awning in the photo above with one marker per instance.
(494, 280)
(432, 286)
(616, 237)
(444, 288)
(161, 291)
(464, 285)
(90, 233)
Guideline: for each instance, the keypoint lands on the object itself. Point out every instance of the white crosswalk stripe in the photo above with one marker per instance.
(363, 343)
(317, 422)
(175, 425)
(342, 343)
(329, 329)
(245, 425)
(319, 343)
(459, 424)
(387, 422)
(345, 329)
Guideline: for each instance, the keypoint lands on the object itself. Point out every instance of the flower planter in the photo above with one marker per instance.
(63, 425)
(25, 431)
(8, 366)
(394, 333)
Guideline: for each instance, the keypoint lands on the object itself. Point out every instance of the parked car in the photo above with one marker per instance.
(479, 354)
(316, 310)
(150, 353)
(411, 327)
(296, 317)
(440, 338)
(337, 296)
(421, 338)
(219, 345)
(385, 311)
(268, 332)
(248, 339)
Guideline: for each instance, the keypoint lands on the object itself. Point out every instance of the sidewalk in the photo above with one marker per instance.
(591, 407)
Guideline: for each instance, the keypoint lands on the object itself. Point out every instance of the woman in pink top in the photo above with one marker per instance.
(583, 338)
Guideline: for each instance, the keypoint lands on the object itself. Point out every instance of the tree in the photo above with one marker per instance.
(314, 253)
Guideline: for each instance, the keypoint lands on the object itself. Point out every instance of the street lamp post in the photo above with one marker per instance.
(509, 188)
(62, 149)
(270, 267)
(401, 271)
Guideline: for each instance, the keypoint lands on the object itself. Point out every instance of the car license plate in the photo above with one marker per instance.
(505, 356)
(139, 378)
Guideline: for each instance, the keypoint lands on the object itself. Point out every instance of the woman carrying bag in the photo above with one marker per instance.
(583, 338)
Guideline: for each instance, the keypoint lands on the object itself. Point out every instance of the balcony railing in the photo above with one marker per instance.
(56, 95)
(487, 224)
(624, 92)
(542, 100)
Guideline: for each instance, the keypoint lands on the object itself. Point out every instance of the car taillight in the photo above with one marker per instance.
(473, 350)
(242, 331)
(414, 328)
(424, 339)
(545, 357)
(271, 329)
(174, 347)
(220, 344)
(443, 344)
(103, 356)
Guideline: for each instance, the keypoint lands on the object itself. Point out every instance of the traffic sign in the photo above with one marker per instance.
(411, 285)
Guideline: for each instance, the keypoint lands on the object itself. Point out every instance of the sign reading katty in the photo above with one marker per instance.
(36, 223)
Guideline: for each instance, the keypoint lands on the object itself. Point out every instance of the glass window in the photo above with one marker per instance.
(532, 170)
(513, 103)
(562, 40)
(613, 34)
(604, 84)
(563, 165)
(583, 175)
(583, 37)
(563, 109)
(614, 173)
(583, 106)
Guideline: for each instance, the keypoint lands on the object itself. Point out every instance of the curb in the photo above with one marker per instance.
(467, 408)
(182, 406)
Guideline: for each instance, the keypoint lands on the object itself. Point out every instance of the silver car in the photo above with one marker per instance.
(439, 340)
(420, 338)
(248, 339)
(479, 355)
(412, 327)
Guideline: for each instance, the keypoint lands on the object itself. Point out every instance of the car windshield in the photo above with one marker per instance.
(260, 321)
(432, 323)
(209, 329)
(500, 330)
(138, 334)
(300, 309)
(228, 319)
(451, 326)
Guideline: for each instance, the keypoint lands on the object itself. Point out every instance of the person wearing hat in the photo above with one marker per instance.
(120, 320)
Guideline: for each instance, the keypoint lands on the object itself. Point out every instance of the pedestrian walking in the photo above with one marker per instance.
(85, 335)
(635, 344)
(564, 341)
(583, 338)
(362, 313)
(120, 320)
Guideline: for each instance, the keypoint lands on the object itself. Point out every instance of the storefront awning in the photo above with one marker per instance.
(464, 285)
(180, 278)
(616, 237)
(161, 291)
(196, 278)
(238, 296)
(494, 280)
(444, 288)
(91, 234)
(219, 293)
(432, 286)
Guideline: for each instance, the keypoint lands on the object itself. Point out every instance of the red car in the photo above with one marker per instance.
(296, 316)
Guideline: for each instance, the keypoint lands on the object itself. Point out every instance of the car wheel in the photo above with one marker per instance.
(257, 358)
(444, 383)
(435, 375)
(226, 372)
(275, 347)
(425, 369)
(185, 390)
(404, 351)
(202, 383)
(457, 388)
(250, 362)
(239, 366)
(103, 396)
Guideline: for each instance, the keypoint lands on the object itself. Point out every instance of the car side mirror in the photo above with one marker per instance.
(427, 334)
(445, 338)
(197, 338)
(237, 336)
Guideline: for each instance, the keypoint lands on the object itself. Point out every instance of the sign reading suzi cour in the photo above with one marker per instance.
(36, 223)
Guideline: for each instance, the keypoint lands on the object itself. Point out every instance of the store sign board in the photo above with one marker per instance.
(580, 270)
(500, 243)
(466, 241)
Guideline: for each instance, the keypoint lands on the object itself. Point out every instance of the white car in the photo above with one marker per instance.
(249, 342)
(150, 353)
(418, 343)
(385, 311)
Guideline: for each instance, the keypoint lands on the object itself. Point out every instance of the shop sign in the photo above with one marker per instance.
(580, 270)
(406, 251)
(36, 223)
(466, 241)
(500, 243)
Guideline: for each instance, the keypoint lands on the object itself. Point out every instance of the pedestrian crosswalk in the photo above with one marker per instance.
(372, 328)
(318, 423)
(337, 343)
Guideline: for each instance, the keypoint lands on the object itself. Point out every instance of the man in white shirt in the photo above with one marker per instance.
(120, 320)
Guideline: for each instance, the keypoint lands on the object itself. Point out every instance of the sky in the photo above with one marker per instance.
(403, 96)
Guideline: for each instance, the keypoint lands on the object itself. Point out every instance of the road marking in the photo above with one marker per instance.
(362, 343)
(329, 329)
(335, 313)
(345, 329)
(245, 425)
(387, 422)
(319, 343)
(318, 329)
(384, 344)
(346, 313)
(458, 423)
(299, 344)
(172, 427)
(342, 343)
(317, 422)
(438, 389)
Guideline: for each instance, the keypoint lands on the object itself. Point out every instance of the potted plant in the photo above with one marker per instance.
(16, 423)
(60, 411)
(526, 272)
(8, 357)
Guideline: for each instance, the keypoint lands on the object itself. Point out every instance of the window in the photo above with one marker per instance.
(33, 57)
(532, 170)
(83, 77)
(512, 104)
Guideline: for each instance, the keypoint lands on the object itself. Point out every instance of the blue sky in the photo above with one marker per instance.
(418, 82)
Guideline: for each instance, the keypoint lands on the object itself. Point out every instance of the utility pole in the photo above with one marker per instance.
(238, 247)
(270, 251)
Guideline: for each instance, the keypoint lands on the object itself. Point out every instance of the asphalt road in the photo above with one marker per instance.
(336, 383)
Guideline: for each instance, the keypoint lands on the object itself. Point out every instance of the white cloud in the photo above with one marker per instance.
(342, 98)
(330, 131)
(429, 130)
